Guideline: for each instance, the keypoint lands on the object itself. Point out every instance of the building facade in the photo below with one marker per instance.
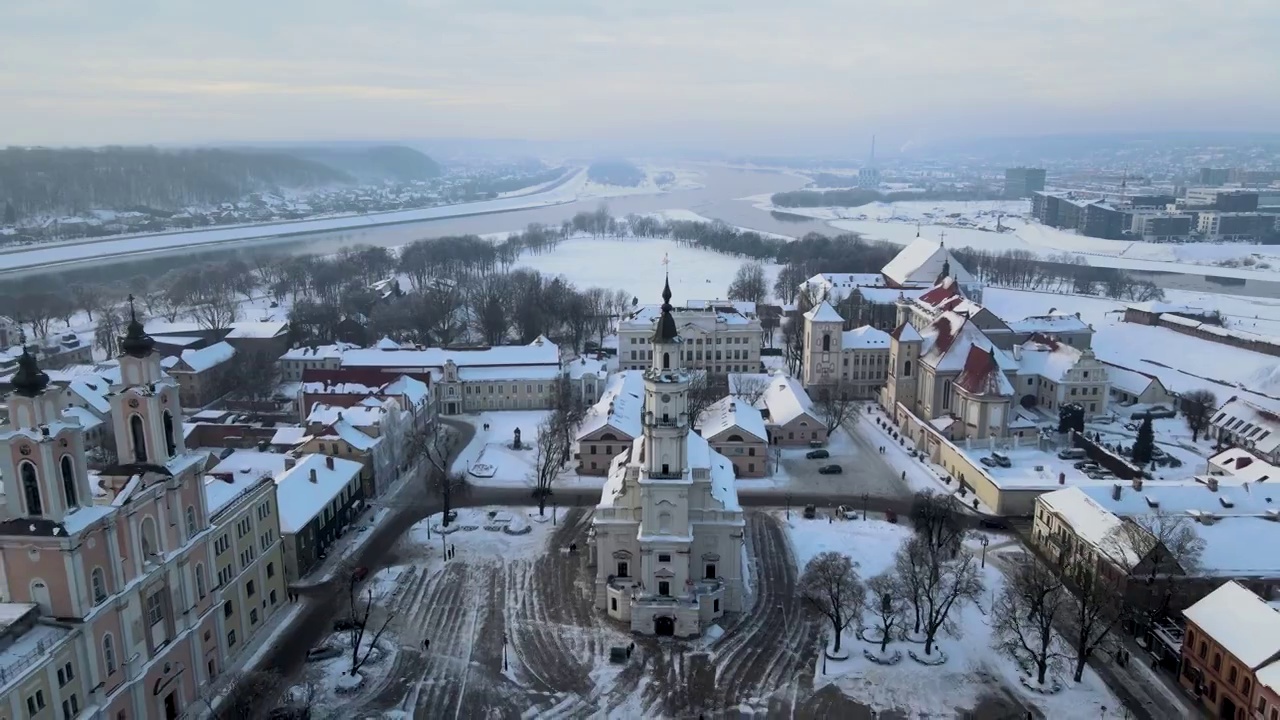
(854, 361)
(667, 536)
(716, 340)
(1023, 182)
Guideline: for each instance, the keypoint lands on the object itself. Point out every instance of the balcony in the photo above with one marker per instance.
(666, 475)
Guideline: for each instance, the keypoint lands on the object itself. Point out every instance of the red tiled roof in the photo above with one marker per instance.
(946, 334)
(978, 367)
(946, 289)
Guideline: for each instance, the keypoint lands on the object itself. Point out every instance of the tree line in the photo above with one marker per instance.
(857, 197)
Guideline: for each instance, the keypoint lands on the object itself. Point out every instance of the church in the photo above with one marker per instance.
(667, 537)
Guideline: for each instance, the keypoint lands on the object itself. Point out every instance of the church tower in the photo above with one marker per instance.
(666, 403)
(43, 463)
(144, 409)
(823, 343)
(904, 367)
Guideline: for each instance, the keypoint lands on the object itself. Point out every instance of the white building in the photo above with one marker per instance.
(1241, 423)
(667, 537)
(718, 340)
(856, 360)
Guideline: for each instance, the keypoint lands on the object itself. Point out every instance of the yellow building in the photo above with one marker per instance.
(42, 672)
(248, 556)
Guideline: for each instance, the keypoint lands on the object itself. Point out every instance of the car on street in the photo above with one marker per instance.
(1001, 460)
(1072, 454)
(830, 470)
(847, 512)
(988, 461)
(359, 573)
(810, 512)
(1085, 465)
(817, 455)
(323, 652)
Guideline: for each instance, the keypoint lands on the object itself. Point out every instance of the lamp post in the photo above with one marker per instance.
(985, 541)
(504, 650)
(865, 500)
(788, 507)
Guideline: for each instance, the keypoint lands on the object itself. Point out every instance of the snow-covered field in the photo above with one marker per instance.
(973, 224)
(972, 663)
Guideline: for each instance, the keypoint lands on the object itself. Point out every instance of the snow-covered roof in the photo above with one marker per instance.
(320, 352)
(582, 367)
(1131, 381)
(359, 415)
(785, 399)
(209, 357)
(906, 332)
(539, 352)
(745, 307)
(847, 280)
(823, 312)
(644, 318)
(1240, 621)
(289, 435)
(620, 406)
(1254, 425)
(1050, 324)
(301, 498)
(260, 330)
(220, 488)
(1159, 306)
(947, 340)
(251, 462)
(865, 338)
(1094, 524)
(87, 419)
(413, 390)
(511, 372)
(922, 262)
(349, 434)
(1047, 359)
(1244, 466)
(981, 374)
(93, 393)
(730, 412)
(889, 296)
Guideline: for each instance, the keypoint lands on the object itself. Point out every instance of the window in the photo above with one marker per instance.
(31, 489)
(70, 707)
(253, 616)
(200, 591)
(191, 521)
(1246, 686)
(35, 703)
(169, 441)
(231, 638)
(139, 437)
(826, 343)
(273, 598)
(613, 604)
(664, 558)
(249, 589)
(108, 653)
(623, 569)
(1231, 675)
(271, 570)
(69, 482)
(664, 588)
(98, 579)
(226, 609)
(710, 571)
(155, 608)
(715, 605)
(1217, 661)
(1203, 649)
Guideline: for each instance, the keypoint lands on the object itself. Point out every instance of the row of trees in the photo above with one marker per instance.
(857, 197)
(1065, 273)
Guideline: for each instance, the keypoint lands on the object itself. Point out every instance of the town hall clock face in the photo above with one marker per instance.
(666, 397)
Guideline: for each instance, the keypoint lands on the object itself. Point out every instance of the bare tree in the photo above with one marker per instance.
(567, 412)
(936, 520)
(433, 447)
(359, 624)
(1198, 407)
(750, 387)
(835, 406)
(936, 581)
(749, 283)
(1160, 549)
(1023, 617)
(87, 297)
(216, 312)
(831, 585)
(252, 377)
(548, 459)
(1096, 612)
(704, 389)
(887, 604)
(240, 694)
(793, 344)
(37, 309)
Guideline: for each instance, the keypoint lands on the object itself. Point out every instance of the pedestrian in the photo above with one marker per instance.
(426, 644)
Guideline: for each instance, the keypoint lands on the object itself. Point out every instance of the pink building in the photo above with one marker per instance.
(122, 565)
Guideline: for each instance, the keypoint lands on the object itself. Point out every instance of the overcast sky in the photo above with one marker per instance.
(734, 72)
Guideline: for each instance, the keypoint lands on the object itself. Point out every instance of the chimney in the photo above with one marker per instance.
(313, 475)
(328, 462)
(1116, 490)
(1213, 484)
(1137, 484)
(1017, 352)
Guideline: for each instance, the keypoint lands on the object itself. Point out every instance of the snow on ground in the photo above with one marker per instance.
(972, 663)
(490, 461)
(635, 265)
(1182, 362)
(691, 216)
(972, 223)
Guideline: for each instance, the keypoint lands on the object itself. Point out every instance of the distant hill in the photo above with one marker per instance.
(615, 172)
(371, 164)
(45, 181)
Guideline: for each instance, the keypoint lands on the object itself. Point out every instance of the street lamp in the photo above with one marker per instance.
(985, 541)
(504, 651)
(864, 506)
(788, 507)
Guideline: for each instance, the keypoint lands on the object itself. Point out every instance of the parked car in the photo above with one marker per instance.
(1099, 475)
(1001, 460)
(817, 454)
(830, 470)
(1072, 454)
(810, 512)
(1156, 452)
(360, 573)
(344, 624)
(1085, 465)
(988, 461)
(847, 512)
(323, 652)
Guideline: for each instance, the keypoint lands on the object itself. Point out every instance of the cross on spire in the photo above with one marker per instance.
(942, 238)
(133, 313)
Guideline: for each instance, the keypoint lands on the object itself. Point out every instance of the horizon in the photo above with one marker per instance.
(740, 77)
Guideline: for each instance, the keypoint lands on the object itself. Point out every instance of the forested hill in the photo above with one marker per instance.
(371, 164)
(47, 181)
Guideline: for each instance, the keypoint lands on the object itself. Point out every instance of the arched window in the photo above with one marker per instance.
(664, 523)
(735, 438)
(906, 369)
(826, 342)
(99, 581)
(666, 361)
(200, 581)
(109, 653)
(191, 521)
(149, 546)
(31, 489)
(169, 440)
(139, 437)
(69, 482)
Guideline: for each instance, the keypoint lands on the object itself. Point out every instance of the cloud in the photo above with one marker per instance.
(565, 69)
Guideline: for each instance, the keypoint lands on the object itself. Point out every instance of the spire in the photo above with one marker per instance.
(666, 324)
(29, 380)
(136, 343)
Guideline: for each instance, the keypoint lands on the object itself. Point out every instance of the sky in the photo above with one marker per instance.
(750, 75)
